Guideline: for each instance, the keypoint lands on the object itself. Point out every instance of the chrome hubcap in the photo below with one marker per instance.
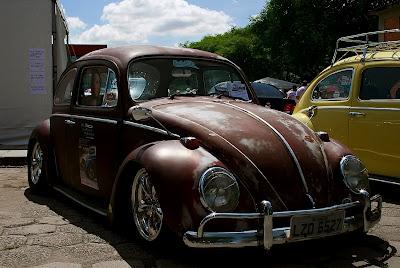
(147, 212)
(36, 163)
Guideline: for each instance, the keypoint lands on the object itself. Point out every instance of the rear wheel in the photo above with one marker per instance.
(145, 207)
(36, 169)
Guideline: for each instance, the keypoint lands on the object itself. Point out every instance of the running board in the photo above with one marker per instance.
(73, 196)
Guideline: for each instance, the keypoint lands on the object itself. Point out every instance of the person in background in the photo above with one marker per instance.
(94, 99)
(300, 91)
(394, 92)
(291, 94)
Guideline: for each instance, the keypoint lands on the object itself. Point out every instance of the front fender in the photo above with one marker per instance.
(41, 134)
(334, 152)
(175, 171)
(303, 118)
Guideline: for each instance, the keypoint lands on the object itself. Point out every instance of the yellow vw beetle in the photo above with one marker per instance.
(357, 101)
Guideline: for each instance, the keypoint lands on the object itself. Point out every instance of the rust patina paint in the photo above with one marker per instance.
(251, 141)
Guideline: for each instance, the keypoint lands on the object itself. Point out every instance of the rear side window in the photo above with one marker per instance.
(63, 93)
(335, 86)
(380, 83)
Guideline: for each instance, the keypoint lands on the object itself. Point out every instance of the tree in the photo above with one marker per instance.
(239, 45)
(292, 39)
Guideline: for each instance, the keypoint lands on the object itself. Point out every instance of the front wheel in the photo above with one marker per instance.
(36, 169)
(145, 207)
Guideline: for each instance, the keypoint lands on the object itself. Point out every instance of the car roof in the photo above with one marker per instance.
(369, 57)
(122, 55)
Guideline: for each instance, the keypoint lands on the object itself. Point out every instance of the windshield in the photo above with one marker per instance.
(156, 78)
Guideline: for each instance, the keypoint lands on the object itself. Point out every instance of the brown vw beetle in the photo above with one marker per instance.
(172, 139)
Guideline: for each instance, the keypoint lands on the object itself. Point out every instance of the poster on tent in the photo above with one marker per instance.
(37, 78)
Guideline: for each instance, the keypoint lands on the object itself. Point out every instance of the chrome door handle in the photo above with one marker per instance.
(69, 122)
(356, 114)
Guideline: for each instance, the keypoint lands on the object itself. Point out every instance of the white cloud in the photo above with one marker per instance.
(136, 21)
(75, 23)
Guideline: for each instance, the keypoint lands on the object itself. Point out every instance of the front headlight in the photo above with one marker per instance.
(219, 190)
(355, 174)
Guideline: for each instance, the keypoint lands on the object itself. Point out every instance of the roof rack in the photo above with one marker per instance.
(361, 44)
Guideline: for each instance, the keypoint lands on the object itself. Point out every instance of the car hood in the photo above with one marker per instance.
(276, 157)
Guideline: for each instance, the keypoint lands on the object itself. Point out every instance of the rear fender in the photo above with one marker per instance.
(175, 171)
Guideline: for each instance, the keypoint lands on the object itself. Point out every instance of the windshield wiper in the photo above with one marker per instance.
(219, 95)
(188, 94)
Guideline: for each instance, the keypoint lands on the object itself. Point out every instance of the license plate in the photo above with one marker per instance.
(316, 225)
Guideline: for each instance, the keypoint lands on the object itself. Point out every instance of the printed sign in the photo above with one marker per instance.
(37, 77)
(87, 156)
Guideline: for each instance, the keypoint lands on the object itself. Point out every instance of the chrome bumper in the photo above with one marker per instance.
(269, 236)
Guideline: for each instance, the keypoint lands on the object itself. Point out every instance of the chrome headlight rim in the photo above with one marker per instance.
(345, 159)
(214, 171)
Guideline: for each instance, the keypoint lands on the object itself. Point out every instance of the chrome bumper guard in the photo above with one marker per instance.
(270, 236)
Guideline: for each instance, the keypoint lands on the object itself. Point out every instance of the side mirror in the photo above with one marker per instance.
(139, 113)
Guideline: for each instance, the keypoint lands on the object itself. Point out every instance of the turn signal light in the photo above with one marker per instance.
(190, 142)
(288, 108)
(323, 136)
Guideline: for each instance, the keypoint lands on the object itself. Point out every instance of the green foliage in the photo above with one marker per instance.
(291, 39)
(239, 45)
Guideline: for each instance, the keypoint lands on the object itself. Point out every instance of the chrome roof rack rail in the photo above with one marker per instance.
(361, 44)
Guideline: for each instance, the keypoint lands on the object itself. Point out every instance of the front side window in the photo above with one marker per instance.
(98, 87)
(63, 93)
(155, 78)
(380, 83)
(336, 86)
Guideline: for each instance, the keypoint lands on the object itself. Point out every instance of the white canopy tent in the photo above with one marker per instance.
(34, 55)
(281, 84)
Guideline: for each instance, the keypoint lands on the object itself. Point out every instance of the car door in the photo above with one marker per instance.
(95, 133)
(330, 100)
(59, 123)
(374, 125)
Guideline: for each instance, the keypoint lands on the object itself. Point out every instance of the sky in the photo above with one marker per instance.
(156, 22)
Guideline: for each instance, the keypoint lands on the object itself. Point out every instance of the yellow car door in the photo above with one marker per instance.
(327, 104)
(374, 124)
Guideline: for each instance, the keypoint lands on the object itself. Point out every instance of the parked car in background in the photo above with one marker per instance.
(357, 101)
(273, 97)
(171, 153)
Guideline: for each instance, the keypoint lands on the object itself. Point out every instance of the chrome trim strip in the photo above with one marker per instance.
(79, 202)
(154, 129)
(384, 181)
(290, 150)
(110, 121)
(375, 109)
(319, 107)
(327, 107)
